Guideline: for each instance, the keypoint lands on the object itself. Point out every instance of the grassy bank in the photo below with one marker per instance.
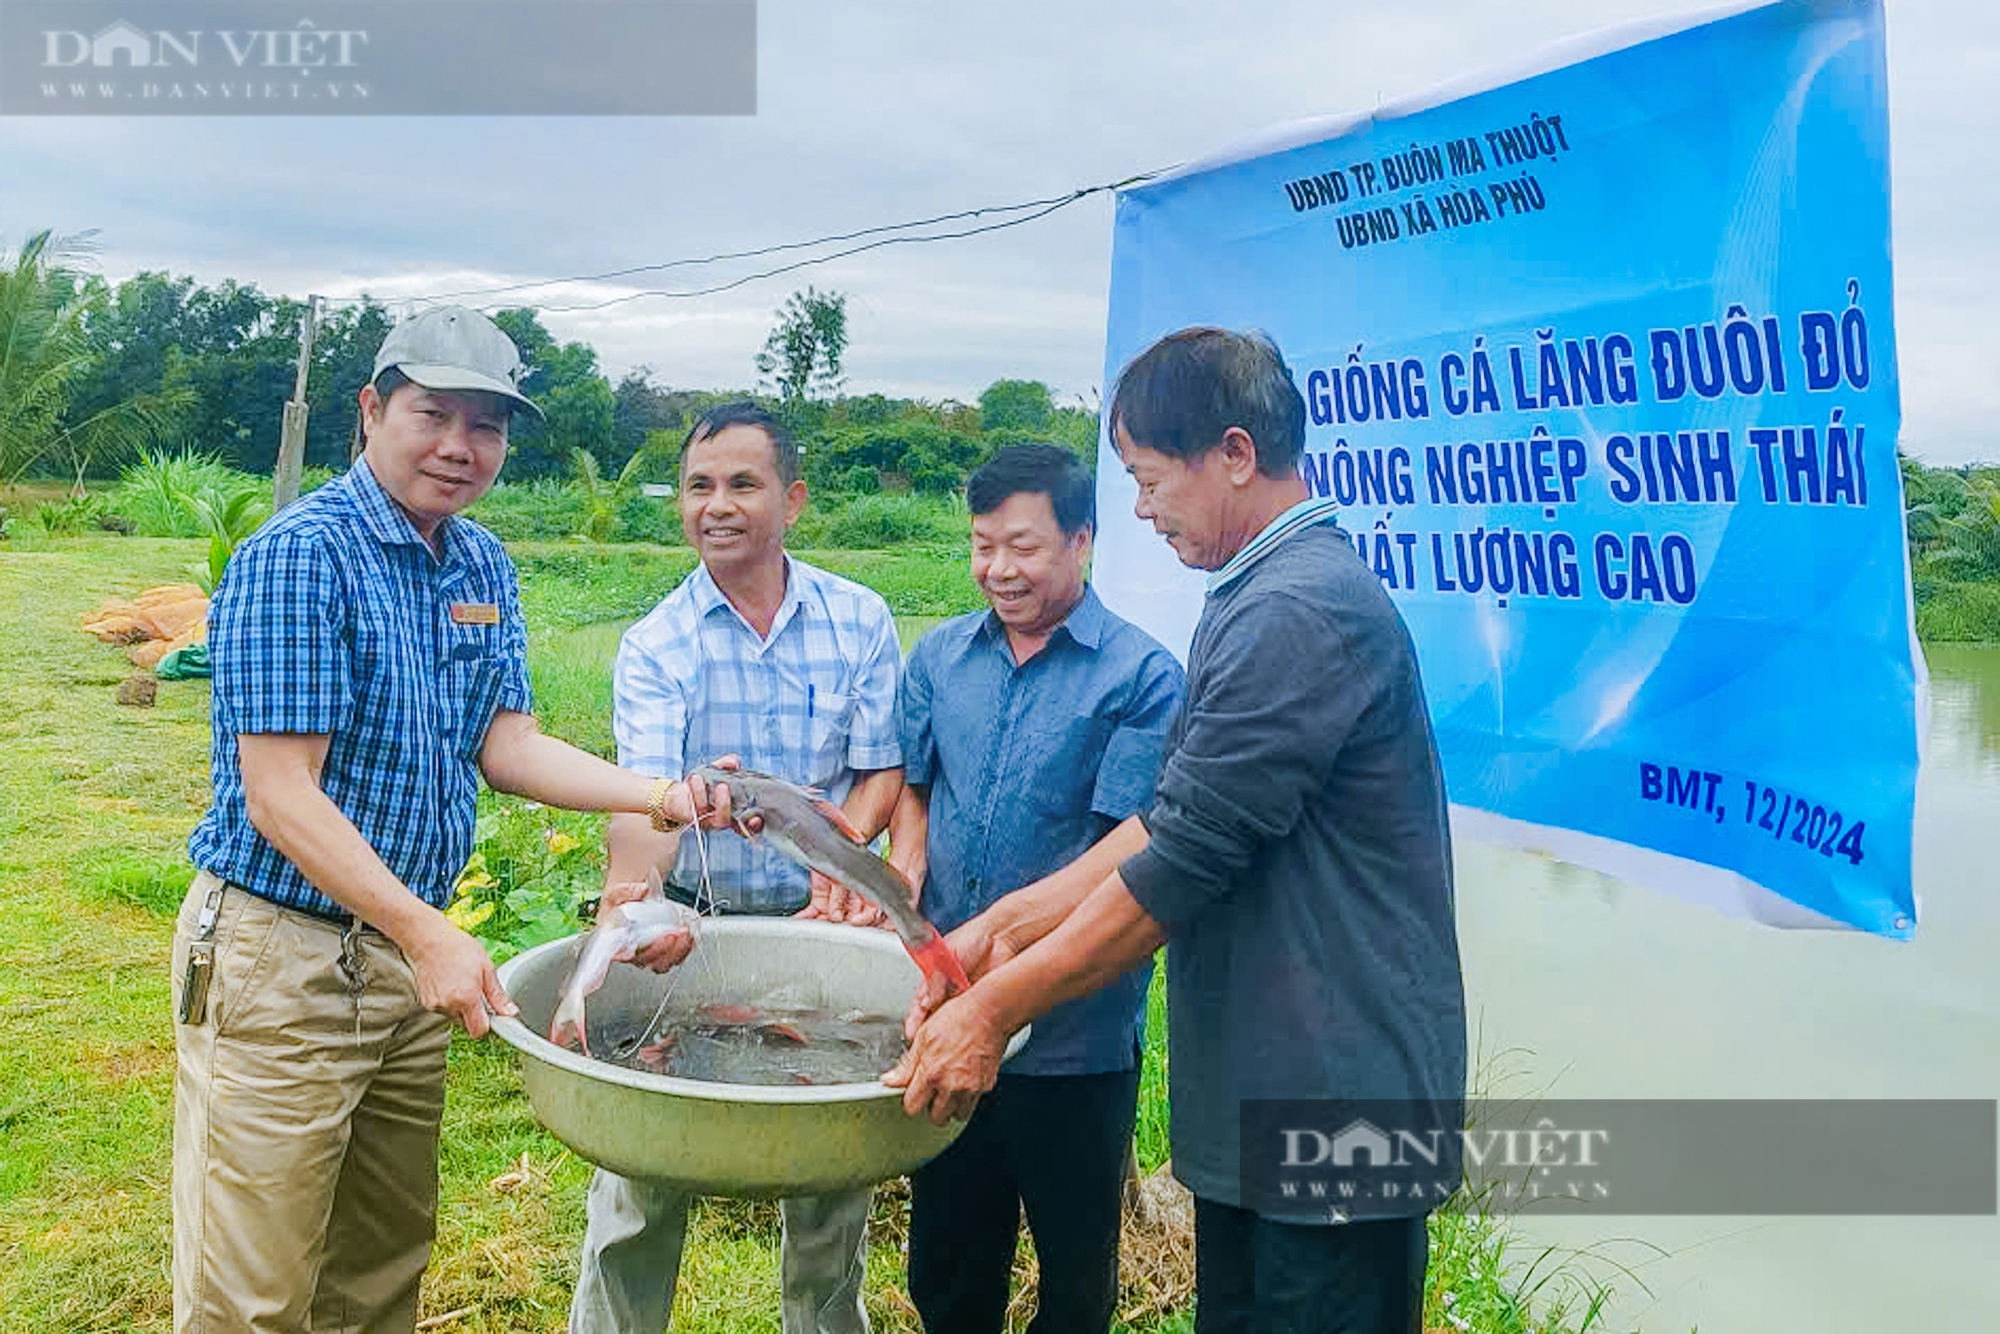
(1957, 612)
(96, 801)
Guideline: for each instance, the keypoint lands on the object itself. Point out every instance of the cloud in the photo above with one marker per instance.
(871, 112)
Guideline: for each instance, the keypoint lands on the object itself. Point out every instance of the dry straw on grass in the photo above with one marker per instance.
(1156, 1252)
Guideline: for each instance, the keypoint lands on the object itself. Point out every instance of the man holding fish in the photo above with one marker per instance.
(793, 671)
(370, 668)
(1295, 860)
(1030, 731)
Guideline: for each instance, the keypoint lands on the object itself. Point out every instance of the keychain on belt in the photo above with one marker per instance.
(201, 961)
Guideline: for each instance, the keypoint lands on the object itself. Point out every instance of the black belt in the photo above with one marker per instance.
(346, 921)
(693, 899)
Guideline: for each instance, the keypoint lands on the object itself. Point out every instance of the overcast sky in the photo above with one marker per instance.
(872, 113)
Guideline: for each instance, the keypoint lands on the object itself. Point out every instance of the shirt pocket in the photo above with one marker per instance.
(1056, 759)
(829, 723)
(475, 676)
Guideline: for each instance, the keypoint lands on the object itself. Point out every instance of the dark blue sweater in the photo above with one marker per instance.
(1300, 861)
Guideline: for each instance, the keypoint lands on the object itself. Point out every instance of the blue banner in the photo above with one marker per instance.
(1599, 362)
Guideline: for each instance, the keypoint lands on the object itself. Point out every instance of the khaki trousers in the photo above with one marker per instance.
(306, 1114)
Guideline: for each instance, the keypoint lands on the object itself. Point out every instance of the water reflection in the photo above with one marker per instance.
(1565, 880)
(1965, 710)
(1597, 988)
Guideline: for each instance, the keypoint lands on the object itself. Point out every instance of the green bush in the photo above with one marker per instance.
(645, 519)
(226, 521)
(883, 522)
(532, 866)
(1948, 611)
(861, 481)
(71, 517)
(547, 509)
(150, 491)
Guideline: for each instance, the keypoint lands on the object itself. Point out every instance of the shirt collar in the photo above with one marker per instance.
(1303, 515)
(384, 518)
(708, 596)
(1085, 622)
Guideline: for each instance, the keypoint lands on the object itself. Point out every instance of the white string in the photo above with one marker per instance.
(706, 892)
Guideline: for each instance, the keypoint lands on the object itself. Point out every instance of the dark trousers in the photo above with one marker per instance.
(1257, 1276)
(1055, 1145)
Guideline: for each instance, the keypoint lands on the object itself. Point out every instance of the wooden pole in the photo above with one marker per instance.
(292, 440)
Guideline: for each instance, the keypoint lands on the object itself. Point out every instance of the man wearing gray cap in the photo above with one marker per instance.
(370, 666)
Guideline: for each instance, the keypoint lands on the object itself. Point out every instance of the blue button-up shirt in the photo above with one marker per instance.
(337, 619)
(1027, 767)
(813, 701)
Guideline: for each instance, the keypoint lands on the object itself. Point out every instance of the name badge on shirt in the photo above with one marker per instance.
(474, 613)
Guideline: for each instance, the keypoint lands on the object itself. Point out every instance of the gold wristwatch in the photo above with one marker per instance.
(656, 807)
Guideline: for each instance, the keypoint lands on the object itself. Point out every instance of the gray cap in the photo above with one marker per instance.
(450, 347)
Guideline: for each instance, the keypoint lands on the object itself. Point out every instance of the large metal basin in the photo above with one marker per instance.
(726, 1139)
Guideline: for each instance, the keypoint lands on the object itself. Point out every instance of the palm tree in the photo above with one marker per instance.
(606, 498)
(1971, 546)
(44, 346)
(225, 519)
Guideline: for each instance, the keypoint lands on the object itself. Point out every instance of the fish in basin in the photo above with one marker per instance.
(621, 932)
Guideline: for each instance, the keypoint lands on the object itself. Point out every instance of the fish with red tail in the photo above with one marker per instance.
(812, 831)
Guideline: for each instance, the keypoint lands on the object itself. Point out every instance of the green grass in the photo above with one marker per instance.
(96, 801)
(1151, 1128)
(86, 1054)
(571, 584)
(572, 676)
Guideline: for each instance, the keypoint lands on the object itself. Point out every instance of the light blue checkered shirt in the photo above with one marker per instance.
(335, 619)
(814, 702)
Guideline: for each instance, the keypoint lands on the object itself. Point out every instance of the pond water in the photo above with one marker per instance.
(768, 1043)
(1582, 986)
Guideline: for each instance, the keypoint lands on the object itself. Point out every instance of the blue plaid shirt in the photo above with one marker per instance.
(814, 702)
(1027, 766)
(336, 619)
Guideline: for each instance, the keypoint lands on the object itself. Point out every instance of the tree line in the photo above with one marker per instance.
(91, 372)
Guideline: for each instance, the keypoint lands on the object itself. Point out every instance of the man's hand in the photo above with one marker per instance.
(455, 976)
(711, 803)
(954, 1060)
(860, 912)
(835, 902)
(669, 950)
(980, 949)
(830, 901)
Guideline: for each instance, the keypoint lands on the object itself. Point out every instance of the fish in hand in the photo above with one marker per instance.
(621, 932)
(812, 831)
